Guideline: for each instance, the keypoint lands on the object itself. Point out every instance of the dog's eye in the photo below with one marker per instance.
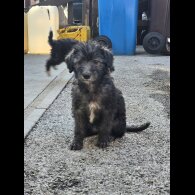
(77, 65)
(96, 61)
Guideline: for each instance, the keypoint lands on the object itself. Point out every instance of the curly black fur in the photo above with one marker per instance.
(59, 49)
(98, 106)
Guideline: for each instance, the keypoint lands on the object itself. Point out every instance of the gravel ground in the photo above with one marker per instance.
(138, 163)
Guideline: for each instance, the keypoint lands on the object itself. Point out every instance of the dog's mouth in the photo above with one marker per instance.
(88, 81)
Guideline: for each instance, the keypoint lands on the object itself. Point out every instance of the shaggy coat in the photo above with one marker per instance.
(98, 106)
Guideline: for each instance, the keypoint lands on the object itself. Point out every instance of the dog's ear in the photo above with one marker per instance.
(108, 56)
(69, 59)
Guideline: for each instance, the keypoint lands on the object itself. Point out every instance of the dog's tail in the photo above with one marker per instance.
(50, 38)
(137, 128)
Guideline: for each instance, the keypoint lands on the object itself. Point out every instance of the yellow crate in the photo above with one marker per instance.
(80, 33)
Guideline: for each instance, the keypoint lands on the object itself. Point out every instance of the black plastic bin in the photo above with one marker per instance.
(157, 40)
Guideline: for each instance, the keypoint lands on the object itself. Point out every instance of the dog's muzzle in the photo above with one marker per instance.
(86, 76)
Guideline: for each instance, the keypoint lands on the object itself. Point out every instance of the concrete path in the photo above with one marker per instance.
(40, 90)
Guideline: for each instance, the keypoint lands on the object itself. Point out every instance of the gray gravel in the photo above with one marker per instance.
(135, 164)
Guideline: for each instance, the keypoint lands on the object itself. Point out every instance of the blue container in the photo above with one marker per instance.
(118, 21)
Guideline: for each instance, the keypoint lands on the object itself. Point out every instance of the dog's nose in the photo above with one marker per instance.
(86, 75)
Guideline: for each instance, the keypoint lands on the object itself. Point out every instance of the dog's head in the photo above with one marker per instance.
(90, 61)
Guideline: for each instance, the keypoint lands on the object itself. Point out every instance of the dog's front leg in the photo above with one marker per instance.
(79, 131)
(105, 129)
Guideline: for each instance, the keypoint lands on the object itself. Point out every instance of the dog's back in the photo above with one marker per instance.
(59, 49)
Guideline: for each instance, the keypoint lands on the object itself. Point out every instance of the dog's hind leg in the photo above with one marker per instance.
(118, 128)
(119, 122)
(104, 129)
(51, 63)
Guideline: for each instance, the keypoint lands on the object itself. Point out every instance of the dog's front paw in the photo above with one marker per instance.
(102, 143)
(76, 146)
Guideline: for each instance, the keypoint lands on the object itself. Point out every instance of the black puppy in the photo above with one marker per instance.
(98, 106)
(59, 49)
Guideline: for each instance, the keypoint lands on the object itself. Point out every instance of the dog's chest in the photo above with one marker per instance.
(94, 107)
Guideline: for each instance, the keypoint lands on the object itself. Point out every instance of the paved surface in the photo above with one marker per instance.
(133, 165)
(39, 89)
